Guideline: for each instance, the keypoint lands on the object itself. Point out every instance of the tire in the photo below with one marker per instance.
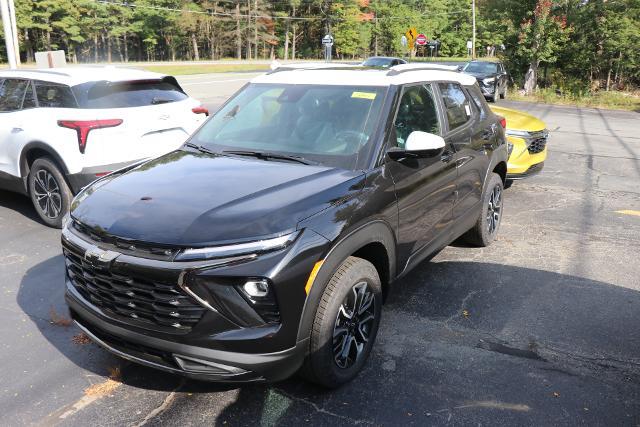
(49, 192)
(508, 183)
(325, 364)
(503, 95)
(485, 231)
(494, 98)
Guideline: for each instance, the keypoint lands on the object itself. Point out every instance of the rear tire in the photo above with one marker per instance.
(345, 326)
(503, 95)
(49, 192)
(486, 228)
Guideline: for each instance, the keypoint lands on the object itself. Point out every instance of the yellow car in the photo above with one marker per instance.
(527, 141)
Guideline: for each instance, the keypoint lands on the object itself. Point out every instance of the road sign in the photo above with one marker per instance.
(411, 34)
(327, 40)
(421, 40)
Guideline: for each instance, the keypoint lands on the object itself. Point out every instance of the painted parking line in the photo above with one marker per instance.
(629, 212)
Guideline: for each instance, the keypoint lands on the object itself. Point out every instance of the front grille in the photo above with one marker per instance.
(143, 302)
(537, 145)
(537, 142)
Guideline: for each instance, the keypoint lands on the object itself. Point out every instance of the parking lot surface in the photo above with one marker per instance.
(540, 328)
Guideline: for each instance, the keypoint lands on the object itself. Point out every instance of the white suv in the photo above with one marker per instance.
(62, 128)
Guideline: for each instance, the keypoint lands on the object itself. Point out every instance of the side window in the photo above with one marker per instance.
(11, 94)
(29, 98)
(456, 104)
(53, 95)
(478, 100)
(417, 111)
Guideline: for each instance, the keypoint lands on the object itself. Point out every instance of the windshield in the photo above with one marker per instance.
(481, 67)
(378, 62)
(330, 125)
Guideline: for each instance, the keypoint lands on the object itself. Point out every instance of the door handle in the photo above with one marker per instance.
(446, 156)
(17, 130)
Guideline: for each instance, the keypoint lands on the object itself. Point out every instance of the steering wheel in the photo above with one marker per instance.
(352, 138)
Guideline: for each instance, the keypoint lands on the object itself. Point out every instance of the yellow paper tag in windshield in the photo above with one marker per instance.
(364, 95)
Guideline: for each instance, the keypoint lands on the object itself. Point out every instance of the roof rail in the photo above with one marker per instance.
(311, 66)
(405, 68)
(45, 71)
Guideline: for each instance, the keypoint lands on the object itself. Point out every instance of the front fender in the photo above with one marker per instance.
(377, 231)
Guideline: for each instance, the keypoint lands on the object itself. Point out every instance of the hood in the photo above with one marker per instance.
(197, 199)
(480, 76)
(518, 120)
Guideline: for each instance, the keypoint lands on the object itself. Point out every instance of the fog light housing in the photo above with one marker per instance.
(256, 288)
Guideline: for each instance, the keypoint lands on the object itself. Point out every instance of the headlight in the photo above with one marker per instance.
(488, 80)
(249, 248)
(519, 133)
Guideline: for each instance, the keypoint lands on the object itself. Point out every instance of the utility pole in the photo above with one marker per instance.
(473, 18)
(10, 38)
(12, 16)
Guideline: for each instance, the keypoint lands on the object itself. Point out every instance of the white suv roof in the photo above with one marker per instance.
(328, 74)
(77, 75)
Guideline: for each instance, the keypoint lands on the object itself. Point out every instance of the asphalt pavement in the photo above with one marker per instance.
(541, 328)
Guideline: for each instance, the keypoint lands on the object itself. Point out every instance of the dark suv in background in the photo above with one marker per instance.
(492, 77)
(265, 245)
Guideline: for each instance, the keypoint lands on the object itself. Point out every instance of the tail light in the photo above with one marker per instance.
(200, 110)
(83, 127)
(503, 122)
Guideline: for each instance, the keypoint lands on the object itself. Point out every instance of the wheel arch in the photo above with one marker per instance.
(374, 242)
(36, 149)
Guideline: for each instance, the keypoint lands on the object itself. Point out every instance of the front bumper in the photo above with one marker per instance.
(487, 89)
(220, 344)
(523, 162)
(183, 359)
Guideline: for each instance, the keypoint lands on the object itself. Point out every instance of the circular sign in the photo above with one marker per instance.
(421, 40)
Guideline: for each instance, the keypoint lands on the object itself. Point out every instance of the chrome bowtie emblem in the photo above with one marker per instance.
(98, 257)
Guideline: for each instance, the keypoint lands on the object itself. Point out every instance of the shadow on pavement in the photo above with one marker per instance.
(19, 203)
(438, 323)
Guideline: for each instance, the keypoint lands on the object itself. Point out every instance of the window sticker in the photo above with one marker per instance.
(467, 109)
(364, 95)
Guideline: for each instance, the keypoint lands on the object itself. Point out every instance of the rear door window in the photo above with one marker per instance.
(51, 95)
(128, 94)
(11, 94)
(456, 104)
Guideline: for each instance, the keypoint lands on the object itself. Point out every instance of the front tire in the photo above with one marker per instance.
(49, 192)
(486, 228)
(346, 324)
(503, 95)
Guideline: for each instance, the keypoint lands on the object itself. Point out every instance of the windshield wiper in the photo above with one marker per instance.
(200, 148)
(156, 101)
(266, 155)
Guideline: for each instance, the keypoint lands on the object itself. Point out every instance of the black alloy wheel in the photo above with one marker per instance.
(353, 325)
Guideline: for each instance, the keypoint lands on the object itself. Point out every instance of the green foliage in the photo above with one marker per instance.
(576, 46)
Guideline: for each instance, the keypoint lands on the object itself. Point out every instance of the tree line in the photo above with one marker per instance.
(572, 44)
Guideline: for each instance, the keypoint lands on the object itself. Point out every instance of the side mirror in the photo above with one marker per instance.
(459, 67)
(419, 144)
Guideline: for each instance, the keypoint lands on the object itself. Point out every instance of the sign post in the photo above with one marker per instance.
(327, 42)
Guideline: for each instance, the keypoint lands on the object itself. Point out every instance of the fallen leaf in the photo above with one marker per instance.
(465, 313)
(58, 319)
(556, 394)
(81, 339)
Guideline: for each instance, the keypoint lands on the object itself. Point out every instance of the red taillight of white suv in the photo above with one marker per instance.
(83, 127)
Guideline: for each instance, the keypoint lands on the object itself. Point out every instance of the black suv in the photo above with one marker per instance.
(492, 77)
(266, 244)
